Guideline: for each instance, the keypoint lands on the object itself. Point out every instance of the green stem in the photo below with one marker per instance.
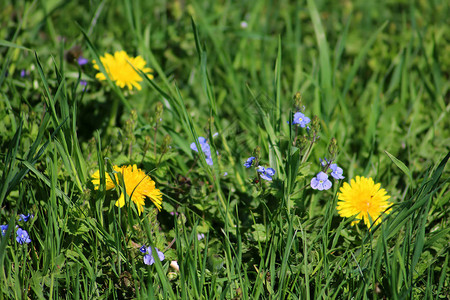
(113, 114)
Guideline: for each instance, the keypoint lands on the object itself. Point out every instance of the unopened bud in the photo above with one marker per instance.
(302, 142)
(298, 101)
(147, 141)
(158, 112)
(133, 116)
(333, 148)
(166, 143)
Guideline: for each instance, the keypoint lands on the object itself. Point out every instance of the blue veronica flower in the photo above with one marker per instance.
(337, 172)
(205, 149)
(83, 83)
(25, 218)
(209, 161)
(249, 162)
(22, 236)
(143, 249)
(82, 61)
(149, 260)
(4, 228)
(301, 119)
(321, 182)
(324, 162)
(266, 173)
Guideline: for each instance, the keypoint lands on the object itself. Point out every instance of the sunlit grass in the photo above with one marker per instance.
(373, 83)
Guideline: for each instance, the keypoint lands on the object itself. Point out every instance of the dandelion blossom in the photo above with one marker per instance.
(122, 69)
(109, 183)
(138, 185)
(363, 198)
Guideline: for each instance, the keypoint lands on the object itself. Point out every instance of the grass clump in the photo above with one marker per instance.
(204, 150)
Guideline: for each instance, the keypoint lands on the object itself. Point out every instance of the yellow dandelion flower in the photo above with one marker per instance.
(137, 184)
(96, 180)
(363, 198)
(120, 69)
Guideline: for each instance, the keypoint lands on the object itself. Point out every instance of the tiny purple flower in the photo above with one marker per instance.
(82, 61)
(22, 236)
(209, 161)
(200, 236)
(143, 249)
(149, 260)
(249, 162)
(324, 162)
(23, 73)
(25, 218)
(301, 119)
(4, 228)
(321, 182)
(206, 149)
(337, 172)
(266, 173)
(84, 84)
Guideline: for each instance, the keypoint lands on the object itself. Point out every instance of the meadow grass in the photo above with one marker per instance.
(376, 75)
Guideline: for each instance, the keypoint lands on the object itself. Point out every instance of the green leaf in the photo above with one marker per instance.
(402, 167)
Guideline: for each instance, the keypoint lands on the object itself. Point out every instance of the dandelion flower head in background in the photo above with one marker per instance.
(138, 185)
(122, 69)
(109, 183)
(363, 198)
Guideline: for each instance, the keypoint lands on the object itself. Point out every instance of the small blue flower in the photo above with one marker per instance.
(321, 182)
(209, 161)
(143, 249)
(201, 141)
(337, 172)
(249, 162)
(22, 236)
(301, 119)
(205, 149)
(4, 228)
(25, 218)
(82, 61)
(83, 83)
(200, 236)
(324, 162)
(266, 173)
(23, 73)
(149, 260)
